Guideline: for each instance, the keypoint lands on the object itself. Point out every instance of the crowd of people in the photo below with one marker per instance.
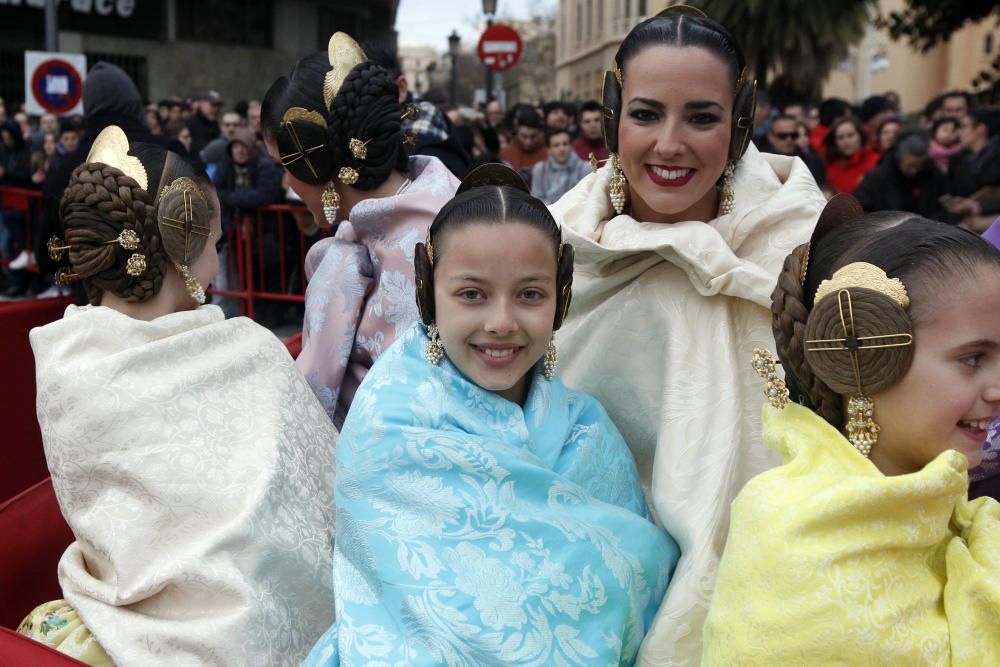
(537, 416)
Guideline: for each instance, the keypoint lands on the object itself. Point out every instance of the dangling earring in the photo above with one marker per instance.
(434, 350)
(862, 430)
(728, 199)
(617, 185)
(194, 288)
(331, 202)
(550, 360)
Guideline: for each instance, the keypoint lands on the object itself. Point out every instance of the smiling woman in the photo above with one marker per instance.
(486, 514)
(679, 241)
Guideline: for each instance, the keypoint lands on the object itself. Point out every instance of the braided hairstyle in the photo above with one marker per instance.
(922, 253)
(99, 203)
(365, 108)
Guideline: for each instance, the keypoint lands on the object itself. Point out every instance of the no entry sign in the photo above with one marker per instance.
(53, 82)
(499, 47)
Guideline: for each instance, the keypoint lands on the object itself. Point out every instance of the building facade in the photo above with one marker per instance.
(589, 31)
(185, 47)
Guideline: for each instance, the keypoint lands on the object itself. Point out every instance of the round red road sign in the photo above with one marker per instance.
(499, 47)
(57, 86)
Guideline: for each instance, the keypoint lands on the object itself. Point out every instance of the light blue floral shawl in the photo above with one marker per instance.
(471, 531)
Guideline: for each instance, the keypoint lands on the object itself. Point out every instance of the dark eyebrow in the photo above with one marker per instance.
(983, 343)
(694, 104)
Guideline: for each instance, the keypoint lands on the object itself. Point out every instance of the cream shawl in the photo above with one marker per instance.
(662, 326)
(194, 466)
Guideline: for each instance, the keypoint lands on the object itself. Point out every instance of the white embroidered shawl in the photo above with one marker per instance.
(195, 467)
(663, 322)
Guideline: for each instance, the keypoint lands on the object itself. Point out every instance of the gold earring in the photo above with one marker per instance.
(550, 360)
(348, 175)
(617, 185)
(194, 288)
(774, 387)
(728, 200)
(331, 202)
(862, 430)
(434, 350)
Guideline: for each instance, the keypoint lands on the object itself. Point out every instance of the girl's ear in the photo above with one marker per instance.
(564, 283)
(424, 274)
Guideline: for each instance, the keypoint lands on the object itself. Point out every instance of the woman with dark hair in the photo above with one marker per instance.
(486, 514)
(848, 155)
(679, 239)
(186, 450)
(863, 548)
(335, 125)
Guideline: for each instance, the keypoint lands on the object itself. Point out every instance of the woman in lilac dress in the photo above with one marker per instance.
(335, 125)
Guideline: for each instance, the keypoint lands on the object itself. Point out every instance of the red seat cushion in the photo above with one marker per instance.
(294, 345)
(33, 536)
(17, 649)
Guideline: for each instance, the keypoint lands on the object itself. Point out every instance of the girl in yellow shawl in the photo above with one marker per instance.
(863, 547)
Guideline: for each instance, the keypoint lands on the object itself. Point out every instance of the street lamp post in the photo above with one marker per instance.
(489, 8)
(453, 45)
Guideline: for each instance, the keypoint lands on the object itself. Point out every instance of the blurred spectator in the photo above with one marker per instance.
(495, 113)
(848, 156)
(528, 147)
(170, 109)
(892, 97)
(556, 116)
(944, 142)
(204, 121)
(885, 135)
(553, 177)
(253, 116)
(782, 139)
(797, 111)
(829, 112)
(48, 123)
(956, 104)
(15, 170)
(591, 139)
(69, 137)
(874, 111)
(434, 132)
(216, 148)
(974, 171)
(153, 119)
(24, 123)
(906, 180)
(3, 110)
(762, 115)
(41, 161)
(179, 134)
(247, 178)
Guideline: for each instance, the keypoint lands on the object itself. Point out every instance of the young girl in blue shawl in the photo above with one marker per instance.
(486, 514)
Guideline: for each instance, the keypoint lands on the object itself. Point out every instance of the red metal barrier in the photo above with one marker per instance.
(29, 201)
(251, 256)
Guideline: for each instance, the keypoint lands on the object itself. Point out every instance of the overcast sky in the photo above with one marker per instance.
(429, 22)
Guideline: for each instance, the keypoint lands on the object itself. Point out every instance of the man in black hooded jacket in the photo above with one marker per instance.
(109, 98)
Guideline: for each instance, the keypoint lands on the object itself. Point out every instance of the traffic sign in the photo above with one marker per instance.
(53, 82)
(499, 47)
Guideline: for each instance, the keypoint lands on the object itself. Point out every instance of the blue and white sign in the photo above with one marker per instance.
(53, 82)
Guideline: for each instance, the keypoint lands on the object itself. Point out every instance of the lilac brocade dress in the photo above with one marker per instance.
(991, 457)
(361, 293)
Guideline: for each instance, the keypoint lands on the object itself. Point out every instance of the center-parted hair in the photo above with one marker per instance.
(366, 108)
(491, 195)
(927, 256)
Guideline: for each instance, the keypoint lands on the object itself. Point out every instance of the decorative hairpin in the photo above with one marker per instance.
(774, 387)
(344, 55)
(409, 140)
(136, 265)
(868, 276)
(128, 240)
(359, 149)
(410, 110)
(618, 72)
(348, 175)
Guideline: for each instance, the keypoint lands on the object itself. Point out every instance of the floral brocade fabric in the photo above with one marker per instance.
(829, 562)
(361, 291)
(471, 531)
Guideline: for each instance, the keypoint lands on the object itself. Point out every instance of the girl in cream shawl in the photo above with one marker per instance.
(862, 548)
(188, 454)
(488, 515)
(672, 288)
